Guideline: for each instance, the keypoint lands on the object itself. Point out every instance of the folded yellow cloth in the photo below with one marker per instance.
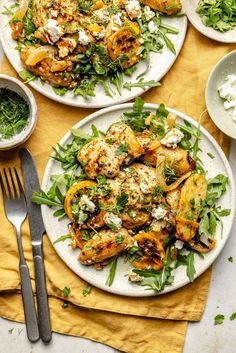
(125, 323)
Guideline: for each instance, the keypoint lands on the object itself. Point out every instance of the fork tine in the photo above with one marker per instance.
(2, 187)
(18, 182)
(7, 182)
(13, 183)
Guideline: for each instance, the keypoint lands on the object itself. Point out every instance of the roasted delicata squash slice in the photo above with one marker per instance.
(135, 218)
(81, 186)
(169, 7)
(193, 191)
(104, 245)
(121, 133)
(199, 246)
(177, 158)
(152, 249)
(126, 42)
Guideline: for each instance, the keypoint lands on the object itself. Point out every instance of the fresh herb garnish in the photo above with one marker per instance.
(188, 261)
(230, 259)
(218, 320)
(141, 84)
(87, 290)
(233, 316)
(112, 271)
(119, 239)
(123, 148)
(27, 76)
(66, 292)
(14, 113)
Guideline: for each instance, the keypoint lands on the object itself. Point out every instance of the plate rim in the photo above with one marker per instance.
(200, 27)
(88, 105)
(225, 161)
(209, 80)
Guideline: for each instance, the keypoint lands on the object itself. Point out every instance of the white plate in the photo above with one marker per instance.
(190, 10)
(159, 66)
(102, 119)
(215, 104)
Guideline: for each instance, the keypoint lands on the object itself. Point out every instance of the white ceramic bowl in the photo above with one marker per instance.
(215, 104)
(18, 87)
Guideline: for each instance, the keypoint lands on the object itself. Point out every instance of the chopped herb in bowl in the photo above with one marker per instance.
(14, 113)
(218, 14)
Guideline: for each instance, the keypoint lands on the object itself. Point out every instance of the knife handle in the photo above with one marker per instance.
(41, 295)
(28, 303)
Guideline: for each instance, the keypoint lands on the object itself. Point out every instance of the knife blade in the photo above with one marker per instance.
(37, 230)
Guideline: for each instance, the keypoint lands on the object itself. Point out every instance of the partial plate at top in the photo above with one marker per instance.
(190, 7)
(160, 64)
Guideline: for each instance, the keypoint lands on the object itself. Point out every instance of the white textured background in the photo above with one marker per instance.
(202, 337)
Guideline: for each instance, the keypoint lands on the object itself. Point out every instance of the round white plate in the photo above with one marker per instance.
(190, 10)
(102, 119)
(215, 104)
(159, 66)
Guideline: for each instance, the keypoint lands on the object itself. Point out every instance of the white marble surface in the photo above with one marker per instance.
(201, 337)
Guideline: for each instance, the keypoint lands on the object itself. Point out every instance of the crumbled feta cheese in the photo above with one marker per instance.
(83, 38)
(117, 19)
(145, 187)
(172, 138)
(54, 13)
(99, 35)
(184, 252)
(148, 13)
(141, 41)
(112, 219)
(52, 31)
(228, 92)
(134, 277)
(179, 244)
(152, 27)
(102, 16)
(87, 204)
(114, 28)
(204, 239)
(159, 213)
(133, 8)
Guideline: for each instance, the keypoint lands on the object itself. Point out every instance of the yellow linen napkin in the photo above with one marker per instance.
(183, 89)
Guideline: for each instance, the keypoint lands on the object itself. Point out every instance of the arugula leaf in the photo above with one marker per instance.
(119, 239)
(141, 84)
(62, 238)
(136, 118)
(156, 280)
(86, 88)
(218, 320)
(27, 76)
(112, 271)
(60, 91)
(41, 198)
(188, 261)
(121, 201)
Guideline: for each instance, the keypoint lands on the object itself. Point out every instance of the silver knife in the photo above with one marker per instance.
(37, 230)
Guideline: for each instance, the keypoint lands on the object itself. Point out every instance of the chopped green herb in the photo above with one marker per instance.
(218, 320)
(119, 239)
(65, 305)
(14, 113)
(123, 148)
(10, 331)
(210, 155)
(233, 316)
(66, 292)
(27, 76)
(230, 259)
(87, 290)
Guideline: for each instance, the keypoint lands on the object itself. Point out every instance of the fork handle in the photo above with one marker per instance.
(28, 303)
(41, 294)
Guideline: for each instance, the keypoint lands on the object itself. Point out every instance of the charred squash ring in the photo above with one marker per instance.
(72, 192)
(125, 42)
(152, 249)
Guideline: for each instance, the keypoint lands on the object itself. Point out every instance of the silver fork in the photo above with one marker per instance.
(15, 210)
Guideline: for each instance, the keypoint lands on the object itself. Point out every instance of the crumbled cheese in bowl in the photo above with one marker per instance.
(228, 92)
(172, 138)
